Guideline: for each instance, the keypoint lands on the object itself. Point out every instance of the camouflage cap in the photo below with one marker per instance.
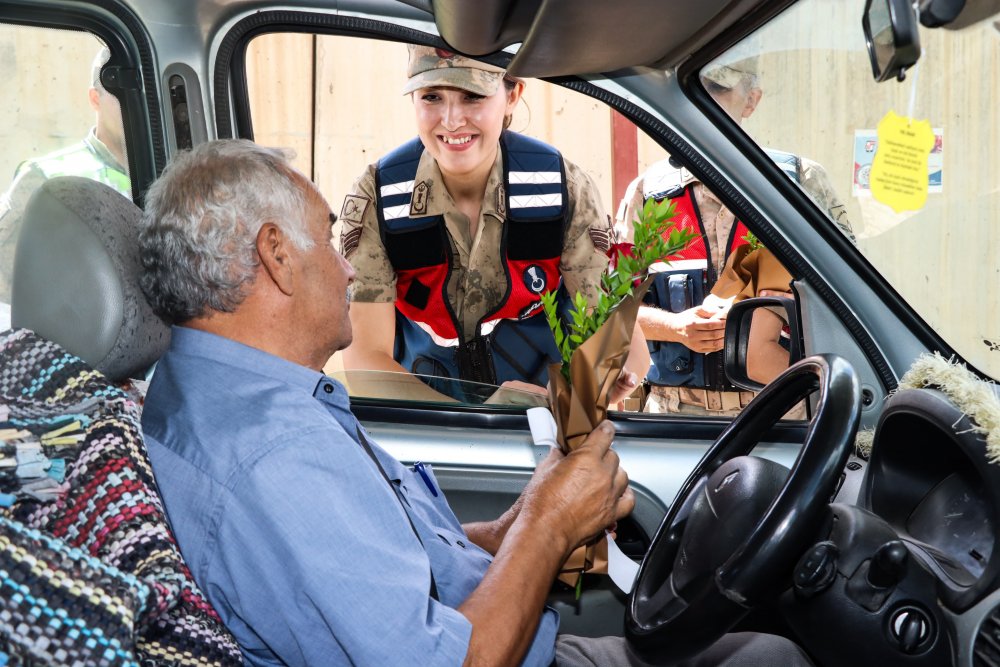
(430, 67)
(731, 74)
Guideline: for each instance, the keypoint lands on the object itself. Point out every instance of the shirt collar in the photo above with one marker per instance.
(197, 343)
(103, 153)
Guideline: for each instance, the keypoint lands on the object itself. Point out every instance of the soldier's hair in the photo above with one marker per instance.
(198, 233)
(508, 84)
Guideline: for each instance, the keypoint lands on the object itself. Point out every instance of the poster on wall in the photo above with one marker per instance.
(865, 145)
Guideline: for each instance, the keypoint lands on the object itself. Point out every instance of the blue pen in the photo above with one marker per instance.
(419, 468)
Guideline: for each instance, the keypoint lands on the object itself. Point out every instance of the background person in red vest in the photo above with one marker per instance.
(684, 324)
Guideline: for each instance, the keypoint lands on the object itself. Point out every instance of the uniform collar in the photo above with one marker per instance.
(101, 150)
(430, 198)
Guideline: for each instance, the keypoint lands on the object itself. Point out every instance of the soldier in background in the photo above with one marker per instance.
(100, 156)
(685, 333)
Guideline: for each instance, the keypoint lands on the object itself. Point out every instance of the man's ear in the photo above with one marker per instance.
(272, 248)
(753, 98)
(95, 99)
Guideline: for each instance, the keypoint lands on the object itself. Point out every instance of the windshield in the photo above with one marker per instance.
(941, 254)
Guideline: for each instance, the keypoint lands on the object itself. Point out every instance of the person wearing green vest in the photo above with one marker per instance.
(101, 156)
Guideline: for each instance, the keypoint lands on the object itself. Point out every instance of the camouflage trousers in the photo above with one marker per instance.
(691, 401)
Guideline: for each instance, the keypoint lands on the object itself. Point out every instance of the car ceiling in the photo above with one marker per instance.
(563, 37)
(560, 37)
(555, 37)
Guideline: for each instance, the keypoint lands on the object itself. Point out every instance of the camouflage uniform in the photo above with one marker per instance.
(478, 282)
(90, 158)
(718, 222)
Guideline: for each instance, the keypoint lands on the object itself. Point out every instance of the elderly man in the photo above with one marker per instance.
(316, 546)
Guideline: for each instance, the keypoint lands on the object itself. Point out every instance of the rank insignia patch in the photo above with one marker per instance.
(354, 209)
(418, 205)
(602, 238)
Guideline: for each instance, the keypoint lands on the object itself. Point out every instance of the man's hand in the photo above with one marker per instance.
(578, 495)
(570, 499)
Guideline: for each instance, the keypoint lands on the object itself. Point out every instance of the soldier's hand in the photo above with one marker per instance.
(696, 332)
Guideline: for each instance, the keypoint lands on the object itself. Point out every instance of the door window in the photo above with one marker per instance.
(338, 103)
(56, 119)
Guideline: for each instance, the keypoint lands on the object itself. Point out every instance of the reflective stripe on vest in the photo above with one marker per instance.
(80, 160)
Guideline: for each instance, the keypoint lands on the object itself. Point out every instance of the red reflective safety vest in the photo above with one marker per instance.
(513, 341)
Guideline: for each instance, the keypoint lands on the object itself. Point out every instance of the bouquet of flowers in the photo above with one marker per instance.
(594, 344)
(595, 341)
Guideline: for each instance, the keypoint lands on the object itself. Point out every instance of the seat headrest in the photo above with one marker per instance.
(76, 277)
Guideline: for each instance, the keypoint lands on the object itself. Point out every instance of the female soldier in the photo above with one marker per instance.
(457, 233)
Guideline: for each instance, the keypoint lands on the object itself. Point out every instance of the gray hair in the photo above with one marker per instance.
(199, 230)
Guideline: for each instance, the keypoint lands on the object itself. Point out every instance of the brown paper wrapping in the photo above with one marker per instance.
(579, 407)
(747, 272)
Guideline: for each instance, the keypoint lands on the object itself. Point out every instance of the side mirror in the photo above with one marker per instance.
(762, 340)
(891, 35)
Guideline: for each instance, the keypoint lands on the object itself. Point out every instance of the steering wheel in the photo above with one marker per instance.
(740, 523)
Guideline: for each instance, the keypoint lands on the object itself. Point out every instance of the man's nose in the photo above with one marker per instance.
(351, 273)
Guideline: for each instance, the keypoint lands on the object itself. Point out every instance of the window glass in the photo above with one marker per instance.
(933, 234)
(55, 119)
(302, 90)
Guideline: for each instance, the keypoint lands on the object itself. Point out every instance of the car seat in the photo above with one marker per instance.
(75, 279)
(107, 584)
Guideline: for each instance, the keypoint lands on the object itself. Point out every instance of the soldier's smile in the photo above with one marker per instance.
(458, 142)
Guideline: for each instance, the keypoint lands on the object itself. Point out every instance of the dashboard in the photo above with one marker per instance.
(930, 479)
(912, 565)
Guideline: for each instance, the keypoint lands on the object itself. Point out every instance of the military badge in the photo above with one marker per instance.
(602, 238)
(501, 202)
(418, 203)
(350, 236)
(354, 209)
(534, 279)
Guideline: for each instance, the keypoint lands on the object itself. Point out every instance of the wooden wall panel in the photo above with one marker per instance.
(280, 70)
(360, 112)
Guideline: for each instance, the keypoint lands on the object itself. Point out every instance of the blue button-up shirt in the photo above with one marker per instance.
(288, 526)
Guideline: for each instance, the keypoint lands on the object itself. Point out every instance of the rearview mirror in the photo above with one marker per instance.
(891, 35)
(762, 340)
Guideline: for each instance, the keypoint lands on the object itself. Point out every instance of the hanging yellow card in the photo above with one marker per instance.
(899, 170)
